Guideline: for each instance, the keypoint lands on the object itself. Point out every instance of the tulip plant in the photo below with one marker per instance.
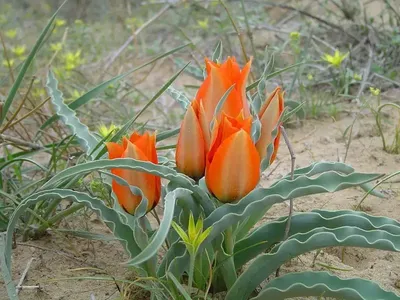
(209, 239)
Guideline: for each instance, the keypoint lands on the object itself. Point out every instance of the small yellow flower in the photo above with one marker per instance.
(10, 63)
(38, 92)
(105, 131)
(374, 91)
(60, 22)
(335, 60)
(310, 77)
(357, 77)
(19, 50)
(203, 23)
(11, 33)
(79, 22)
(56, 47)
(294, 35)
(72, 60)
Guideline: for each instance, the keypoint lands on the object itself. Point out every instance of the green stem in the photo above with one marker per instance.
(191, 271)
(228, 267)
(379, 125)
(149, 264)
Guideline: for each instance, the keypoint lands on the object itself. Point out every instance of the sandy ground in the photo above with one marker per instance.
(57, 256)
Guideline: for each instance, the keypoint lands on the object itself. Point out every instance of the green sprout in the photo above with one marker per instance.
(106, 131)
(192, 240)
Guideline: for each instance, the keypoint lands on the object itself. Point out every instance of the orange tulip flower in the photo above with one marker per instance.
(269, 116)
(220, 77)
(140, 147)
(194, 139)
(190, 153)
(233, 163)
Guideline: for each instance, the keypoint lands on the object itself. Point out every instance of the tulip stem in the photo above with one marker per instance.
(293, 161)
(228, 265)
(191, 270)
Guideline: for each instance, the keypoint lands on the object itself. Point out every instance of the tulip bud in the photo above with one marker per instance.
(140, 147)
(220, 77)
(190, 149)
(233, 163)
(269, 116)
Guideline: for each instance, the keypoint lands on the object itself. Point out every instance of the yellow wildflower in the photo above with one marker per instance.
(11, 33)
(72, 60)
(310, 77)
(374, 91)
(19, 50)
(357, 77)
(294, 35)
(56, 47)
(335, 60)
(203, 23)
(10, 63)
(60, 22)
(79, 22)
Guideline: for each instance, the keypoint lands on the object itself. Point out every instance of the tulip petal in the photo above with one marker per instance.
(190, 149)
(114, 150)
(271, 96)
(225, 128)
(269, 121)
(234, 170)
(145, 182)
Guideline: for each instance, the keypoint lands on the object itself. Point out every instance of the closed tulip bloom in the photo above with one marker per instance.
(190, 149)
(233, 163)
(220, 77)
(140, 147)
(269, 116)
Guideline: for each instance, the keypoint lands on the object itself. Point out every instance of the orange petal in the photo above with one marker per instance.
(190, 149)
(205, 127)
(146, 182)
(269, 120)
(241, 87)
(271, 96)
(146, 143)
(114, 150)
(234, 170)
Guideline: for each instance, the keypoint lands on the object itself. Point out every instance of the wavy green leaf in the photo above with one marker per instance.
(179, 96)
(230, 214)
(271, 233)
(264, 265)
(5, 270)
(112, 218)
(323, 284)
(162, 232)
(128, 163)
(324, 166)
(87, 140)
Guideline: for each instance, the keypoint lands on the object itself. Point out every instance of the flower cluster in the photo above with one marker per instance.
(215, 140)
